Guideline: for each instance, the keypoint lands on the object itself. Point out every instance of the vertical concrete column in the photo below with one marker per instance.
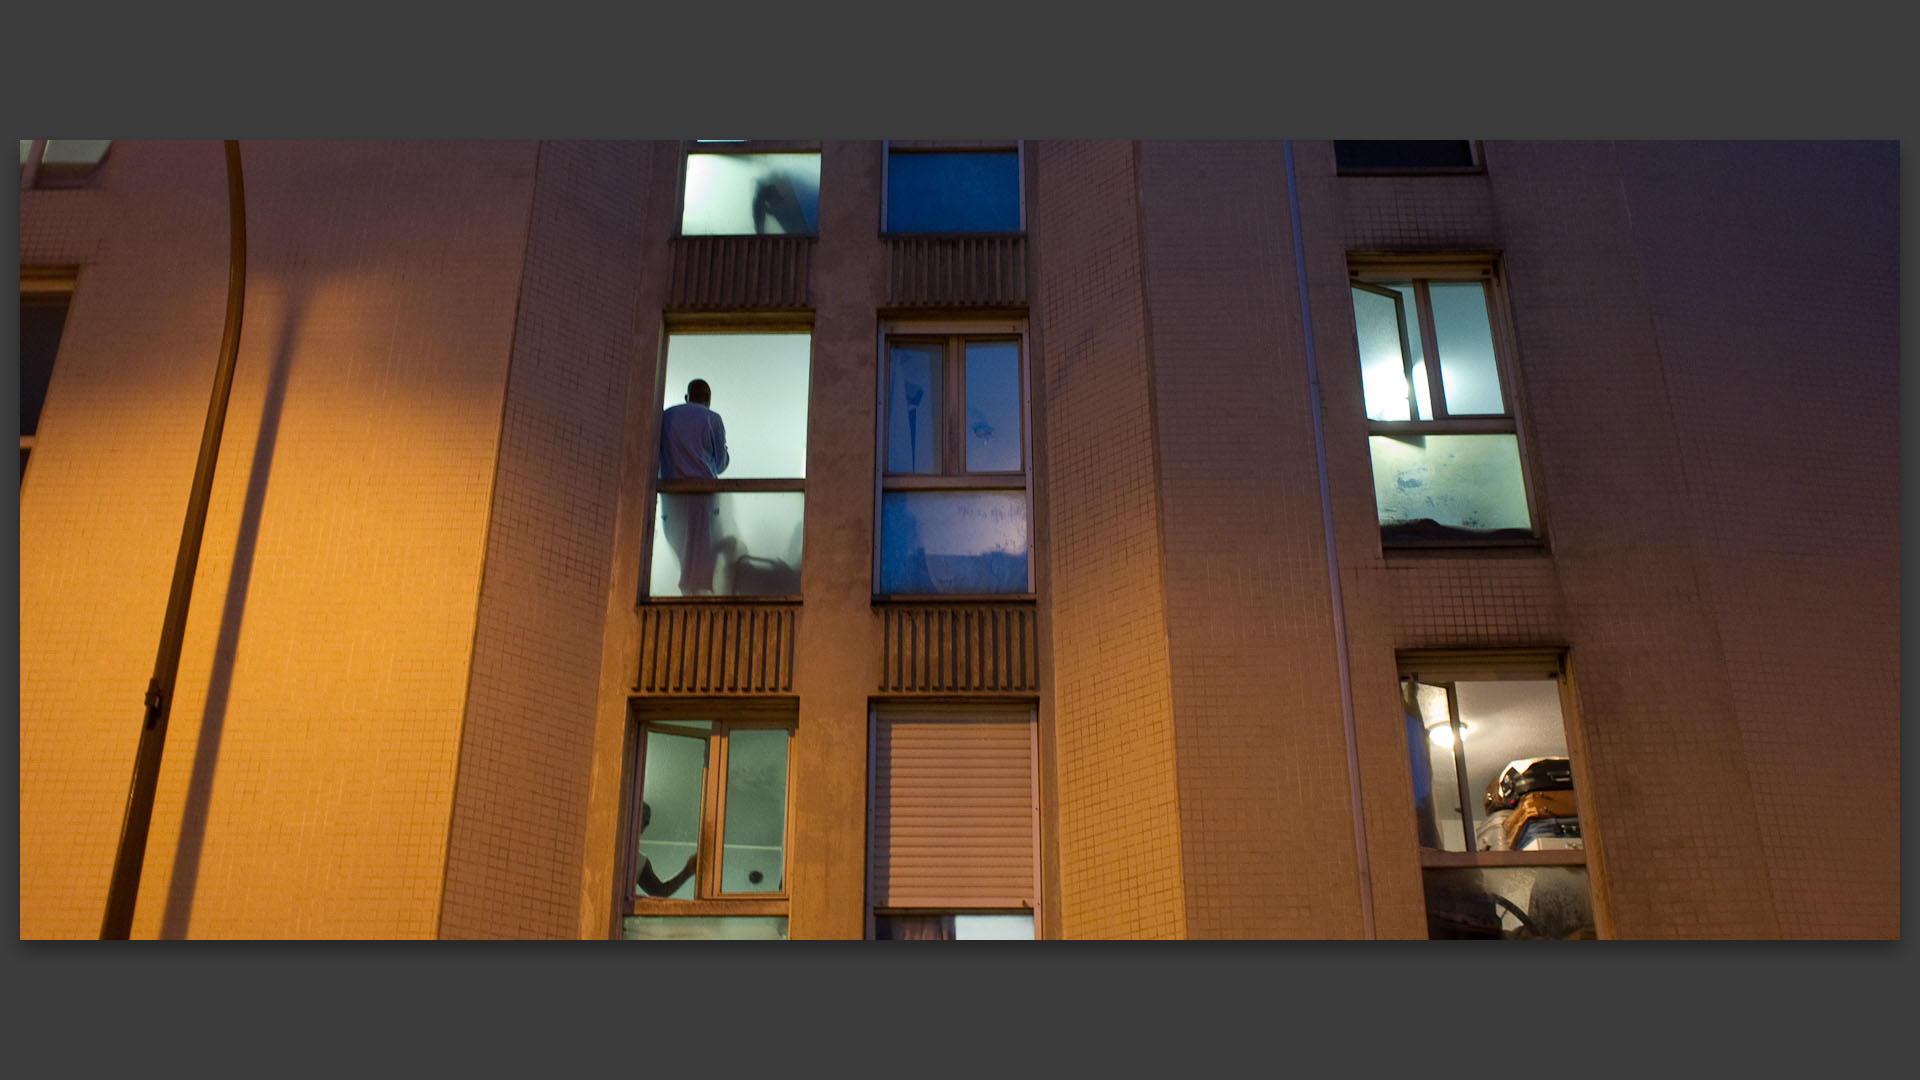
(1118, 800)
(834, 667)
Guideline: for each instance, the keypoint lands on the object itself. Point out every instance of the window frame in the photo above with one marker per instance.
(36, 173)
(888, 147)
(47, 286)
(726, 716)
(1448, 667)
(959, 711)
(1474, 149)
(687, 327)
(954, 334)
(1368, 270)
(689, 147)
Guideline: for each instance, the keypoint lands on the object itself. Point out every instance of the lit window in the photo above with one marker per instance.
(732, 469)
(952, 860)
(48, 163)
(1495, 804)
(733, 187)
(974, 190)
(1404, 155)
(44, 298)
(709, 830)
(1440, 422)
(955, 466)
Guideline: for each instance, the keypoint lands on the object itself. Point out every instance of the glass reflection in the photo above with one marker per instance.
(971, 191)
(913, 408)
(958, 542)
(1509, 903)
(993, 406)
(1465, 339)
(1446, 487)
(729, 543)
(670, 815)
(751, 194)
(756, 814)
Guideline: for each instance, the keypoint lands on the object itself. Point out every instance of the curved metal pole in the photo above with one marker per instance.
(132, 854)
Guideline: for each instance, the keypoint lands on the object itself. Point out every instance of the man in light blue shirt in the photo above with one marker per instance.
(693, 446)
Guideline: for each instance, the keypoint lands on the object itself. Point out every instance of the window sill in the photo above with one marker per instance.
(1418, 170)
(898, 599)
(657, 601)
(979, 235)
(1432, 859)
(653, 906)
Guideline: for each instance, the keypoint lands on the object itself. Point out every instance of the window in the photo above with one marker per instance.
(955, 465)
(955, 820)
(44, 298)
(48, 163)
(737, 187)
(935, 188)
(1404, 156)
(709, 828)
(1495, 804)
(1440, 421)
(732, 527)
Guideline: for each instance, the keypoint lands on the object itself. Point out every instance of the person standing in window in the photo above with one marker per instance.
(649, 882)
(693, 446)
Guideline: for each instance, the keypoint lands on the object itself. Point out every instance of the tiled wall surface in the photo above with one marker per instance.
(309, 767)
(1779, 342)
(1119, 833)
(404, 687)
(1257, 718)
(515, 854)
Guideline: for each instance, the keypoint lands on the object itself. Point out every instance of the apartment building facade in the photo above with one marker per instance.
(1250, 539)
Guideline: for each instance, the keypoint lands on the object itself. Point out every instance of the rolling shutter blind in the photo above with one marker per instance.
(953, 809)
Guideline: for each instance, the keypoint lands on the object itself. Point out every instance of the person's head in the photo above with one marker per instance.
(699, 392)
(646, 815)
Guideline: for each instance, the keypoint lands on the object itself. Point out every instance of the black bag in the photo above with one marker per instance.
(1528, 774)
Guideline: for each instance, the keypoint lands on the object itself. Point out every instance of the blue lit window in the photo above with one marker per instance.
(953, 191)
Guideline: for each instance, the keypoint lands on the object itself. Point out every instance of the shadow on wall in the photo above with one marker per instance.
(193, 819)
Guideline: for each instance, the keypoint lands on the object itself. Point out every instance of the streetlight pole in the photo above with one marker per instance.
(125, 888)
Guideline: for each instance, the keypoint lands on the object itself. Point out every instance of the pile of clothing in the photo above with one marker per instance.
(1530, 807)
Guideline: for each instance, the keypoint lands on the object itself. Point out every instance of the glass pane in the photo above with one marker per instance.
(729, 543)
(993, 406)
(913, 408)
(1509, 902)
(746, 194)
(1519, 776)
(751, 852)
(1465, 340)
(953, 542)
(1417, 375)
(1443, 822)
(704, 928)
(1402, 153)
(953, 928)
(41, 323)
(973, 191)
(1449, 487)
(1377, 324)
(757, 384)
(676, 772)
(75, 151)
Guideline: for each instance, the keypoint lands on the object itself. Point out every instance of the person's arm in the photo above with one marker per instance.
(651, 884)
(720, 458)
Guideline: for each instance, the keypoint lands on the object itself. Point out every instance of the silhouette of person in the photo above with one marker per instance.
(649, 882)
(693, 446)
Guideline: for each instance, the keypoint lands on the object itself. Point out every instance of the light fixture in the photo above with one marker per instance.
(1442, 734)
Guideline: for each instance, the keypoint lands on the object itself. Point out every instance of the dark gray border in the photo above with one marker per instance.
(567, 71)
